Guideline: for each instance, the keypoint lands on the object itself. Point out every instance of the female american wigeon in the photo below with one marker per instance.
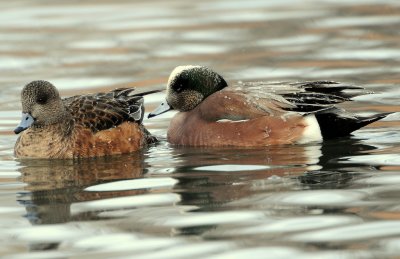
(79, 126)
(211, 113)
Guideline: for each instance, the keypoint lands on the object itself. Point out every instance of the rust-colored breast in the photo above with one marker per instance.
(49, 143)
(125, 138)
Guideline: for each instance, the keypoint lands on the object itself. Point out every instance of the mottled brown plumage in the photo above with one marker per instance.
(80, 126)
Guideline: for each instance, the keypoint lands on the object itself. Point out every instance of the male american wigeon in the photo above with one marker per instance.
(211, 113)
(79, 126)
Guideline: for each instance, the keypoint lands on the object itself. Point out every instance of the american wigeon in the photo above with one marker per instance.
(79, 126)
(211, 113)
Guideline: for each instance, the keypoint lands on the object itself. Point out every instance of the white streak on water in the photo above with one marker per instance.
(362, 231)
(232, 168)
(133, 184)
(212, 218)
(126, 202)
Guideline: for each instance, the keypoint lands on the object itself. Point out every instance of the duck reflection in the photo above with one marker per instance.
(225, 179)
(53, 185)
(210, 177)
(333, 174)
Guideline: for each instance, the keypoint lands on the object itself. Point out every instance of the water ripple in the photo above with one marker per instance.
(232, 168)
(123, 242)
(260, 252)
(362, 231)
(50, 233)
(211, 218)
(316, 197)
(297, 224)
(357, 21)
(187, 250)
(378, 159)
(126, 202)
(133, 184)
(334, 199)
(381, 179)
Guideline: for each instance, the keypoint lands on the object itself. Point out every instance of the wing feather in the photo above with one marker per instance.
(103, 111)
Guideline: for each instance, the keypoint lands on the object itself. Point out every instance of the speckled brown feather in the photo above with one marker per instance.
(125, 138)
(96, 125)
(105, 110)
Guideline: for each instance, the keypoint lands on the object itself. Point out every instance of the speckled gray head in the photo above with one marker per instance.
(188, 86)
(41, 105)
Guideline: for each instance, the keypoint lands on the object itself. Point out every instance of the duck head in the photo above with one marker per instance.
(41, 105)
(188, 86)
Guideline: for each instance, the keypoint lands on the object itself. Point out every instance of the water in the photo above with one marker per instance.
(324, 200)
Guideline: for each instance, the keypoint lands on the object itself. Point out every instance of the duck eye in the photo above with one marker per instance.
(42, 99)
(179, 88)
(180, 84)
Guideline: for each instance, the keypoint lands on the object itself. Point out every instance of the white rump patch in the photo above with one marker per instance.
(312, 132)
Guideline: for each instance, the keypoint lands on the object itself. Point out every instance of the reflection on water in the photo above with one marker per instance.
(52, 186)
(333, 199)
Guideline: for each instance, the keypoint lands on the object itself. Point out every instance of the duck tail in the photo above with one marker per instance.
(336, 122)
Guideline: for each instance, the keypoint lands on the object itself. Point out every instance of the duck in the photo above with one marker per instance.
(212, 113)
(80, 126)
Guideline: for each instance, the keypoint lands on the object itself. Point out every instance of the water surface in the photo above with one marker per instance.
(333, 199)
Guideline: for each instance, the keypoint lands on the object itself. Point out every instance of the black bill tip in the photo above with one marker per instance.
(18, 130)
(162, 108)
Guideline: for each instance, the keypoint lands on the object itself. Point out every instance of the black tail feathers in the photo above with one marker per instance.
(336, 122)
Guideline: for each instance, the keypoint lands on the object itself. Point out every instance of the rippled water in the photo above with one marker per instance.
(328, 200)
